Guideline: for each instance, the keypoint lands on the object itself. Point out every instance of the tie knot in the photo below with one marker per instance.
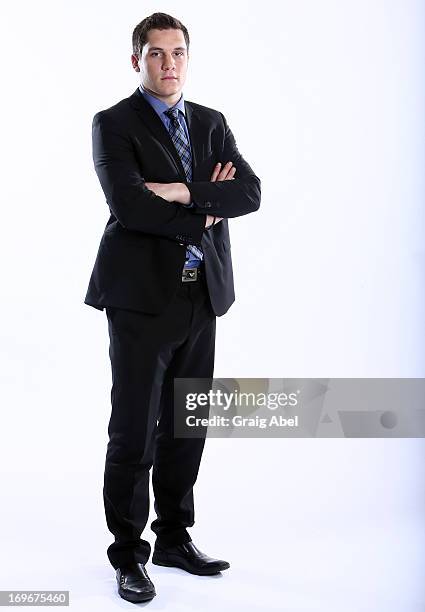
(172, 113)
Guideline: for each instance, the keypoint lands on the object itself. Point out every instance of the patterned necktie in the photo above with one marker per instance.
(179, 138)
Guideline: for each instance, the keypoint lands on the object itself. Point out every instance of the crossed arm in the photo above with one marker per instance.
(159, 208)
(178, 192)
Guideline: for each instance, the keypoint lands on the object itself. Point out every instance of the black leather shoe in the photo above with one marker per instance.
(189, 558)
(134, 583)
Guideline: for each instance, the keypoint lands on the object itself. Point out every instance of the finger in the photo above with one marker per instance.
(224, 171)
(216, 171)
(231, 173)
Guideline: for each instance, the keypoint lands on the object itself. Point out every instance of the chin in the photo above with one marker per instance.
(169, 89)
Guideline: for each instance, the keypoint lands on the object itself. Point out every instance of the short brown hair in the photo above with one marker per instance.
(159, 21)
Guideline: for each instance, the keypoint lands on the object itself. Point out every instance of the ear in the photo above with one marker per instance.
(135, 62)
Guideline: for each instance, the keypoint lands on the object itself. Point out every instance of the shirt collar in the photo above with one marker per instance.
(159, 105)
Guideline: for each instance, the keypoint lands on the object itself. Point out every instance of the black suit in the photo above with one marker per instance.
(131, 145)
(160, 328)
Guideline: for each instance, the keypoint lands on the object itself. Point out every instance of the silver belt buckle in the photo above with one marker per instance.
(189, 275)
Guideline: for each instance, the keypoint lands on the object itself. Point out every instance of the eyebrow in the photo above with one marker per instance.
(160, 49)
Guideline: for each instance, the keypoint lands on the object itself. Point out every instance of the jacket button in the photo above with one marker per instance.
(208, 204)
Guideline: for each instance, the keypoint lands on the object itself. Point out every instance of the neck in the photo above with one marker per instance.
(170, 100)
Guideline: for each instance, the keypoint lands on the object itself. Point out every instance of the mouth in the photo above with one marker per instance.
(169, 79)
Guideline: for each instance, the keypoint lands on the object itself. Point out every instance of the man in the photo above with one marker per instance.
(163, 273)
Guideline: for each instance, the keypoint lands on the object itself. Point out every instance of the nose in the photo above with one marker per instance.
(168, 62)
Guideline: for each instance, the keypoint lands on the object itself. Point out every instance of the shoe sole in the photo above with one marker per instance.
(205, 572)
(136, 598)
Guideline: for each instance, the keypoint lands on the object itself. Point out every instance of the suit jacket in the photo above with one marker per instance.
(143, 247)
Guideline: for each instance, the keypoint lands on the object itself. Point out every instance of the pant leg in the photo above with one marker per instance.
(141, 349)
(177, 460)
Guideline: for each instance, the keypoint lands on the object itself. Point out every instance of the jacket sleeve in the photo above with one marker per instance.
(134, 205)
(231, 198)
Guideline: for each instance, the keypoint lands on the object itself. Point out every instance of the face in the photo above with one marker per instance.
(163, 64)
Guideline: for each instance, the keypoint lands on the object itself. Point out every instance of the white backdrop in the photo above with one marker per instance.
(326, 103)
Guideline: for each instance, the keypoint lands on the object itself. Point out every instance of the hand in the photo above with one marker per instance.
(172, 192)
(179, 193)
(210, 218)
(226, 173)
(160, 189)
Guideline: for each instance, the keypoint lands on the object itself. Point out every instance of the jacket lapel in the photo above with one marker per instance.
(192, 123)
(153, 123)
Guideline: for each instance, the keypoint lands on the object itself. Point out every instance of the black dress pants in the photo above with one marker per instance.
(147, 352)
